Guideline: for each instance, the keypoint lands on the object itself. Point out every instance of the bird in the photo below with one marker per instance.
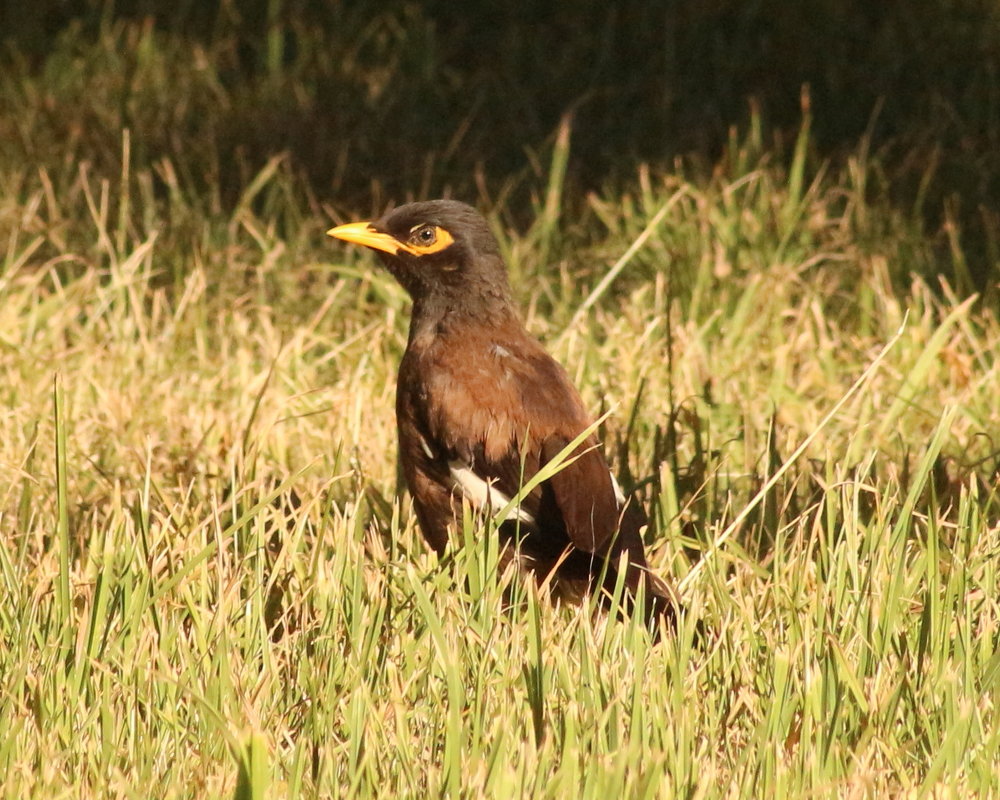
(481, 407)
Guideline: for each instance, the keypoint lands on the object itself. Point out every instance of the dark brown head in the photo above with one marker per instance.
(440, 250)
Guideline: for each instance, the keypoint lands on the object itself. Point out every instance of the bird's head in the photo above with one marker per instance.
(436, 249)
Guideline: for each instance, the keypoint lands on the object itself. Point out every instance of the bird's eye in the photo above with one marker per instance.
(427, 238)
(424, 235)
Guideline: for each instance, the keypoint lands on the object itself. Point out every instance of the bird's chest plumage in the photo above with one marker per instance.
(464, 397)
(458, 414)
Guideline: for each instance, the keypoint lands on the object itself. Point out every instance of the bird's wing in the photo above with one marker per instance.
(497, 428)
(583, 492)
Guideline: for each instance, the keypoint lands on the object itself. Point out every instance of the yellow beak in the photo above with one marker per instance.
(363, 233)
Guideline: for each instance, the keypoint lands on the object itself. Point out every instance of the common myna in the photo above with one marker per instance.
(481, 407)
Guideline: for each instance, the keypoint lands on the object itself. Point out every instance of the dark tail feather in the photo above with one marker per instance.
(660, 600)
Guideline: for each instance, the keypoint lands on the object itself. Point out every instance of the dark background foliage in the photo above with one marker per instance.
(418, 98)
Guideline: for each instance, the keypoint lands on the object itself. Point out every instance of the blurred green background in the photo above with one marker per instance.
(381, 101)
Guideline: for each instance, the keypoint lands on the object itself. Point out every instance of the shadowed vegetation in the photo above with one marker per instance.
(402, 99)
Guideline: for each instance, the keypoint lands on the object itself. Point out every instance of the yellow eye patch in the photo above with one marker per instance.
(427, 239)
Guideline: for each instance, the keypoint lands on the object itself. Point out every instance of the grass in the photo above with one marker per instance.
(210, 588)
(379, 102)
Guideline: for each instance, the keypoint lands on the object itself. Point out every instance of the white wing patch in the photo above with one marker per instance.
(619, 494)
(426, 448)
(483, 494)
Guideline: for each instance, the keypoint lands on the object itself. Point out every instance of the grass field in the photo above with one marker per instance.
(209, 587)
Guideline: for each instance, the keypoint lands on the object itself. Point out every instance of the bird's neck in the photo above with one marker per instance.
(438, 315)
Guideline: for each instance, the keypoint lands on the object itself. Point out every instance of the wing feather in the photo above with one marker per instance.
(503, 425)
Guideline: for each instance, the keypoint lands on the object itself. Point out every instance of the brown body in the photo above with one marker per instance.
(481, 407)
